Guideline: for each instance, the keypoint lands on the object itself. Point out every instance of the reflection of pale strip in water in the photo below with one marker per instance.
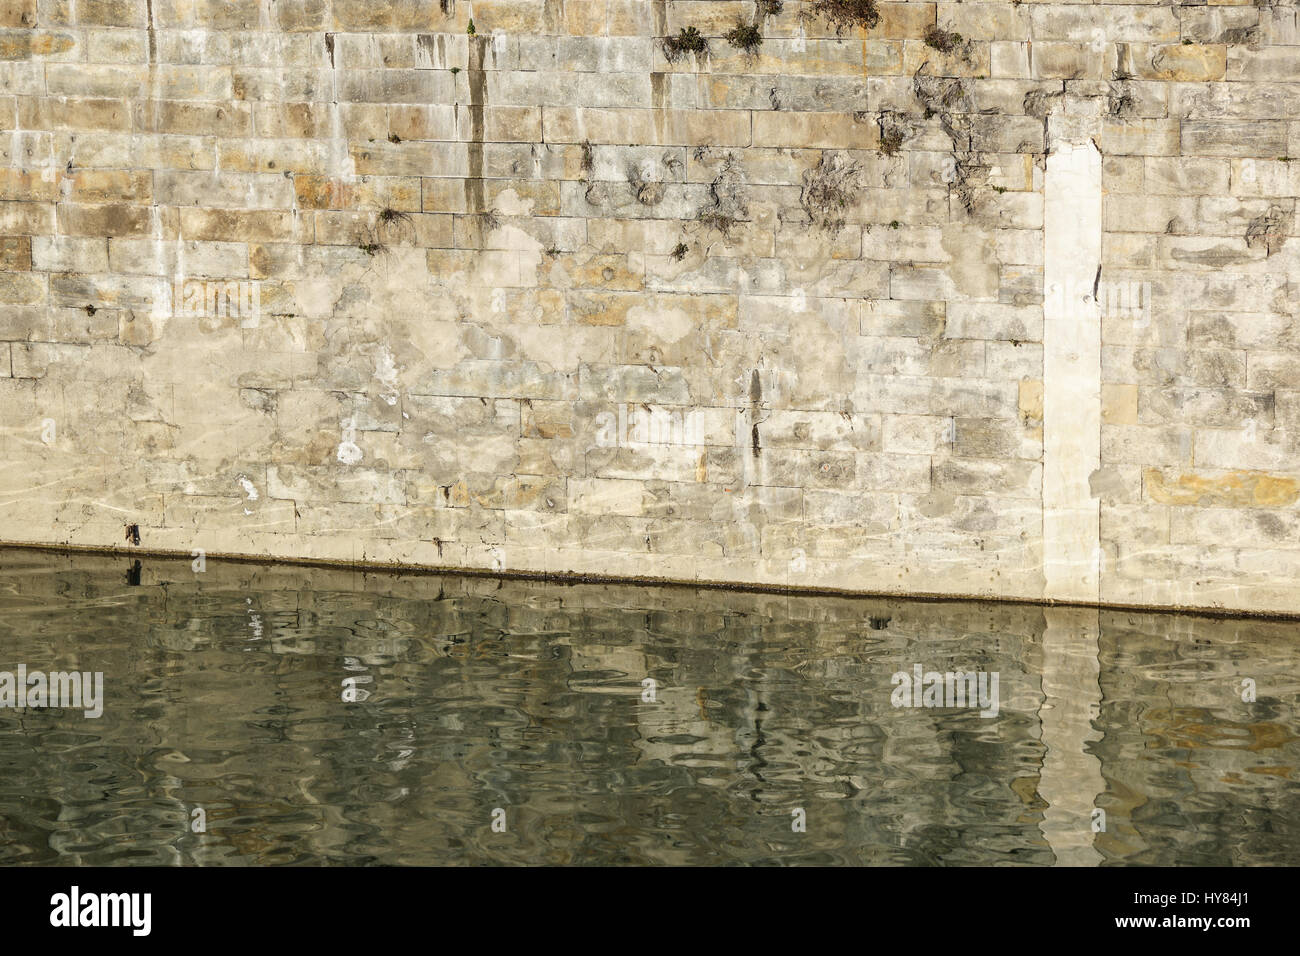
(1070, 776)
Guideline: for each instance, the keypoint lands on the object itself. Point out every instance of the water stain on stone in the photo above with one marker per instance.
(658, 90)
(434, 46)
(553, 15)
(975, 268)
(1237, 489)
(659, 9)
(153, 38)
(1217, 257)
(1106, 482)
(475, 197)
(1271, 524)
(24, 46)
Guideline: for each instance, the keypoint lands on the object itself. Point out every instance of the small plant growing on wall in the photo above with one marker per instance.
(945, 41)
(730, 203)
(387, 219)
(688, 41)
(1121, 104)
(770, 8)
(939, 94)
(744, 36)
(715, 219)
(679, 251)
(891, 141)
(384, 223)
(829, 190)
(893, 132)
(389, 216)
(846, 14)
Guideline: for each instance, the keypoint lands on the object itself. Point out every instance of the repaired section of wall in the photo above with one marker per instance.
(1072, 199)
(519, 286)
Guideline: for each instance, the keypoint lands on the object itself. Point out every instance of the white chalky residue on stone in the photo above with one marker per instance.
(386, 372)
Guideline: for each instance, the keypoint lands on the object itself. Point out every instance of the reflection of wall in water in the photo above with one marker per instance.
(1189, 765)
(527, 696)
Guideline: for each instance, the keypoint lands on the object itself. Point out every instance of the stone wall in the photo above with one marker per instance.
(983, 298)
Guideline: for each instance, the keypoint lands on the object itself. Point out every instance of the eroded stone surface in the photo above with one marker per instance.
(539, 299)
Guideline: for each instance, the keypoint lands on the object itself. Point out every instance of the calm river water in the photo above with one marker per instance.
(307, 716)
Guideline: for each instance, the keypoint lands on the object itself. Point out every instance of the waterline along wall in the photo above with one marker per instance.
(988, 299)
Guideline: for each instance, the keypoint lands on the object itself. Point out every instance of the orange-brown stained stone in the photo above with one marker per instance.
(1238, 489)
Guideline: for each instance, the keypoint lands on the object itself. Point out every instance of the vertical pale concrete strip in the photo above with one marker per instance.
(1071, 363)
(1071, 777)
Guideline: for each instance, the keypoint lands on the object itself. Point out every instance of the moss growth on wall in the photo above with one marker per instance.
(689, 41)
